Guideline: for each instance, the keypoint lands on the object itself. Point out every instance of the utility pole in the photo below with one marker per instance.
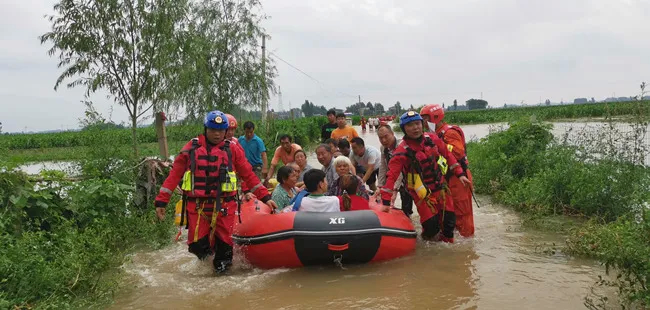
(280, 105)
(481, 95)
(264, 91)
(359, 98)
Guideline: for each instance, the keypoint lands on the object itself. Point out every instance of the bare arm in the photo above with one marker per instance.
(265, 164)
(369, 171)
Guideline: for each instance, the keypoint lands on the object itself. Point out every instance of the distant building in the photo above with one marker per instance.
(580, 100)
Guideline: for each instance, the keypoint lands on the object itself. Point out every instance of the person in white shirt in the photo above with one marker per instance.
(367, 159)
(316, 201)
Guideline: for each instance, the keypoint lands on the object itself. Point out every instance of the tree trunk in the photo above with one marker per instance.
(134, 127)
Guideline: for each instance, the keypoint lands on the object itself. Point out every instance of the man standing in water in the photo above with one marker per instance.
(368, 159)
(344, 131)
(453, 135)
(388, 144)
(255, 150)
(325, 158)
(326, 130)
(206, 166)
(424, 160)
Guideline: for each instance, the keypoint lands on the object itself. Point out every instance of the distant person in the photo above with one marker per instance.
(368, 159)
(286, 189)
(388, 145)
(326, 130)
(313, 198)
(285, 153)
(344, 131)
(255, 150)
(454, 136)
(363, 124)
(349, 200)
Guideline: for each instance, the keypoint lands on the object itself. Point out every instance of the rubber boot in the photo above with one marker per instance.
(222, 256)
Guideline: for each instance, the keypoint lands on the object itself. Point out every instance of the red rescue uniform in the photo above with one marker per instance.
(421, 157)
(208, 168)
(454, 137)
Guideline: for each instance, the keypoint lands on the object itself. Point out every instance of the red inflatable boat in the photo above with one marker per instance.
(298, 239)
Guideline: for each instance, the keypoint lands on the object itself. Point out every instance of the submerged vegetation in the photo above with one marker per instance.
(600, 177)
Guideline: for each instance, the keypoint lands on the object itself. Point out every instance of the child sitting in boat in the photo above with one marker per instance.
(349, 201)
(312, 198)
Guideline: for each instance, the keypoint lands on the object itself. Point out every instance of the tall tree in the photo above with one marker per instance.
(223, 64)
(474, 104)
(307, 108)
(126, 47)
(379, 108)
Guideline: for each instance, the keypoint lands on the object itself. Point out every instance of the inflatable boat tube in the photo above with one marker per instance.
(297, 239)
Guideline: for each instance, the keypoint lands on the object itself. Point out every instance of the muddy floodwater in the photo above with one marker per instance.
(502, 267)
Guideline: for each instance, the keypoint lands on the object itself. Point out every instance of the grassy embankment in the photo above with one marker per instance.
(546, 113)
(62, 243)
(601, 183)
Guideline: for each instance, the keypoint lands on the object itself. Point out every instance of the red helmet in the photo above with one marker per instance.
(232, 121)
(435, 112)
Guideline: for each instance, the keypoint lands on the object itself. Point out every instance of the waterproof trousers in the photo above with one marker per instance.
(436, 212)
(462, 198)
(205, 238)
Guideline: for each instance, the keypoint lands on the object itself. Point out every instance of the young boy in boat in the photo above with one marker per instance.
(349, 200)
(313, 198)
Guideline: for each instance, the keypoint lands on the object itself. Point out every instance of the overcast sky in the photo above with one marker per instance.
(412, 51)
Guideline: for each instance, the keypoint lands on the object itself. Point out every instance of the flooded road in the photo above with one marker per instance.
(502, 267)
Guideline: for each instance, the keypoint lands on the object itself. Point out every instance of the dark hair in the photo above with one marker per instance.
(312, 178)
(331, 111)
(331, 141)
(340, 115)
(249, 125)
(325, 146)
(283, 173)
(344, 144)
(285, 136)
(349, 184)
(296, 153)
(358, 141)
(385, 126)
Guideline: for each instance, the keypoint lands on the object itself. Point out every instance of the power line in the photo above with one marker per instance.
(307, 75)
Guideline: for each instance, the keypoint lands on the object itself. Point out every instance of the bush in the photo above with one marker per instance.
(523, 167)
(623, 245)
(59, 238)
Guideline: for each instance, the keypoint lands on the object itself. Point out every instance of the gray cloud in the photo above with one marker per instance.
(414, 51)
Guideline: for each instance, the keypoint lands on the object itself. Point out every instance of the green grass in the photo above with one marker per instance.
(78, 152)
(546, 113)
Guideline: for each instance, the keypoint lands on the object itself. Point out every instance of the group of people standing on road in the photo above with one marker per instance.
(428, 168)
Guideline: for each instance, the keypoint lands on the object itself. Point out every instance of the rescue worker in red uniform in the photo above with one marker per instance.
(230, 135)
(454, 137)
(423, 159)
(206, 167)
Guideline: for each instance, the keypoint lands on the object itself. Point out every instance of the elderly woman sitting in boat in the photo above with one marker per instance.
(343, 166)
(286, 189)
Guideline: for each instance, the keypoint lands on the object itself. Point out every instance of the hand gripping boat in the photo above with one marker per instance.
(297, 239)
